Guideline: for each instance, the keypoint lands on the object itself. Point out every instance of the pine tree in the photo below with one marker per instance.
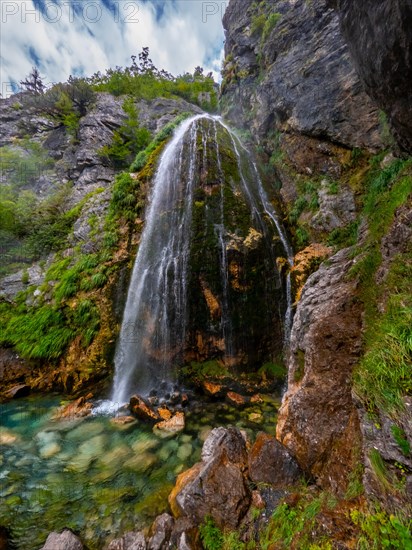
(33, 83)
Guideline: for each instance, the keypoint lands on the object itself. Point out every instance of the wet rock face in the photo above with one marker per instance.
(299, 78)
(318, 421)
(378, 33)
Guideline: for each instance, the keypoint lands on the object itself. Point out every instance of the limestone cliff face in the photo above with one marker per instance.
(287, 68)
(318, 420)
(379, 37)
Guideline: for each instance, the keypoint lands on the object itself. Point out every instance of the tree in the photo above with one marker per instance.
(33, 83)
(80, 93)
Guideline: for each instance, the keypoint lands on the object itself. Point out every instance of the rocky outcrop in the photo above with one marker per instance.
(130, 541)
(378, 33)
(66, 540)
(270, 462)
(318, 421)
(294, 74)
(216, 486)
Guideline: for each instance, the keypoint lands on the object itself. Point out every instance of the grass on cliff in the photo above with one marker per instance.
(304, 521)
(384, 373)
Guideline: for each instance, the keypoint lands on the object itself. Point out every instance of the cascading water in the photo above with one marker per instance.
(154, 321)
(198, 263)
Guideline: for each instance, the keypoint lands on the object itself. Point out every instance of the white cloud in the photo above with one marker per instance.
(72, 36)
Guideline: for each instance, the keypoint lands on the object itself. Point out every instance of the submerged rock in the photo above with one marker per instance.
(66, 540)
(77, 409)
(7, 437)
(123, 422)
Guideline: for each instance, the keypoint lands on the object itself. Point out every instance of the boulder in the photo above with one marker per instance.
(161, 531)
(164, 413)
(66, 540)
(270, 462)
(175, 424)
(21, 390)
(235, 399)
(76, 409)
(211, 389)
(123, 421)
(134, 540)
(143, 410)
(216, 486)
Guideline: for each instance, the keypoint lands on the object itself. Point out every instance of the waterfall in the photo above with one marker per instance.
(156, 320)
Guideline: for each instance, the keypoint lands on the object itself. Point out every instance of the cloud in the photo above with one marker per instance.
(81, 37)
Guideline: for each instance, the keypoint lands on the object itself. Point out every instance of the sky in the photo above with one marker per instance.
(81, 37)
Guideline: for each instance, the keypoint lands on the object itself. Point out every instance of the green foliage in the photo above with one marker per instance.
(129, 139)
(86, 317)
(400, 438)
(380, 530)
(385, 131)
(206, 369)
(257, 23)
(273, 370)
(25, 162)
(143, 157)
(379, 468)
(38, 333)
(302, 237)
(383, 374)
(355, 485)
(211, 535)
(270, 24)
(145, 81)
(298, 207)
(344, 236)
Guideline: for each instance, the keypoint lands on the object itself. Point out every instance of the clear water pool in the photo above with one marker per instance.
(97, 478)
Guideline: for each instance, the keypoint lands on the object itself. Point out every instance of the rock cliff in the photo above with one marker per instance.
(305, 82)
(380, 42)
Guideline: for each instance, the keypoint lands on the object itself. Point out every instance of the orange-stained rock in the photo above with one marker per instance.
(212, 389)
(182, 481)
(217, 486)
(75, 409)
(142, 410)
(235, 399)
(164, 413)
(173, 425)
(305, 263)
(256, 398)
(211, 301)
(318, 420)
